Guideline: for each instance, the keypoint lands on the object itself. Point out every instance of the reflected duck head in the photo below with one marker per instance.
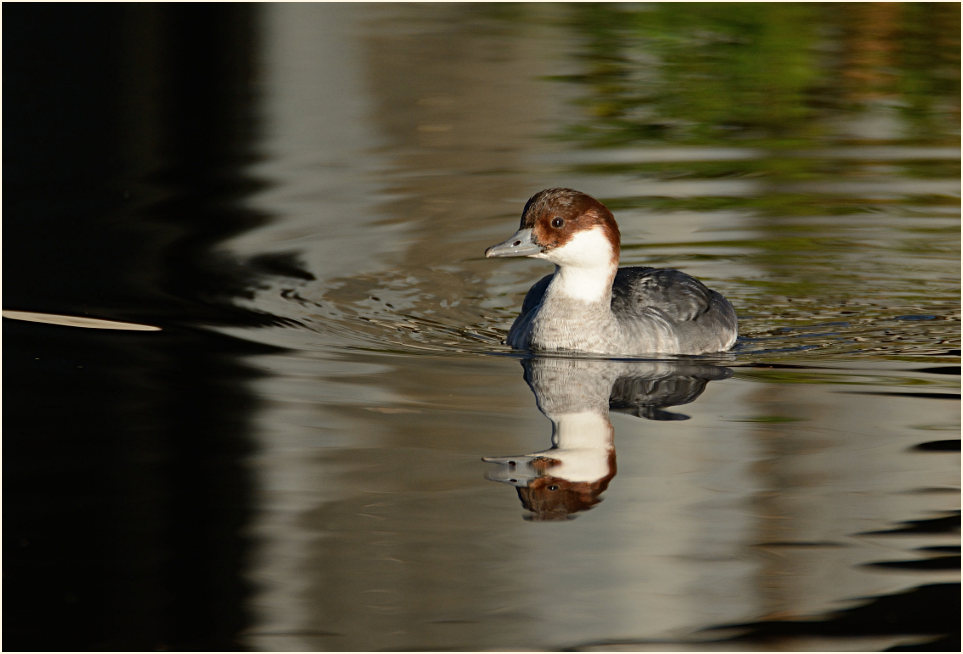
(544, 491)
(554, 498)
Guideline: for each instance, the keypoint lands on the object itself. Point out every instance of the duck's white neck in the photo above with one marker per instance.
(592, 286)
(584, 268)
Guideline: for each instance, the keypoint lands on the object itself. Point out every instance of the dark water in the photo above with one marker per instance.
(299, 197)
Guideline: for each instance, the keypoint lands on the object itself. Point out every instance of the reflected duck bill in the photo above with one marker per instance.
(518, 471)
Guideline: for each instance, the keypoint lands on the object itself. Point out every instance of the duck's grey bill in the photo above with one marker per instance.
(519, 245)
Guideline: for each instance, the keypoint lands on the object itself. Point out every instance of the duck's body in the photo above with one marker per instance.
(590, 304)
(649, 310)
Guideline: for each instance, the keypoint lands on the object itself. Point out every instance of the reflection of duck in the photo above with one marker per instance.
(590, 304)
(576, 395)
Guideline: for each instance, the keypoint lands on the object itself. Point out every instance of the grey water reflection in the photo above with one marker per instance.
(576, 395)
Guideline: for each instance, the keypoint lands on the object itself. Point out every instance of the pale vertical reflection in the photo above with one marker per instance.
(318, 150)
(314, 107)
(364, 542)
(355, 114)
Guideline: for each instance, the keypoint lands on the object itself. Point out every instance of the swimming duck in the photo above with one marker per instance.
(591, 305)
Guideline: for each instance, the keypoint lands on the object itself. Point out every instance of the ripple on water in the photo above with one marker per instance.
(414, 314)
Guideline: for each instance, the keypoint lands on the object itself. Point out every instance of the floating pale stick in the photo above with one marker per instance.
(77, 321)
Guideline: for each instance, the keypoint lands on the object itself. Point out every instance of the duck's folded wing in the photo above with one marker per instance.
(676, 295)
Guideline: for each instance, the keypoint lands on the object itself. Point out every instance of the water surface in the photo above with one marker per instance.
(299, 196)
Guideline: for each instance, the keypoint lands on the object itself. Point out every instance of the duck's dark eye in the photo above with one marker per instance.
(552, 487)
(557, 222)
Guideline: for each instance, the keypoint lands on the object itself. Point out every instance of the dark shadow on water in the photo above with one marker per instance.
(124, 489)
(127, 132)
(125, 161)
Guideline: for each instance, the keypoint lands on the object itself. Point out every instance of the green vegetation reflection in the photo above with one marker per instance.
(773, 74)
